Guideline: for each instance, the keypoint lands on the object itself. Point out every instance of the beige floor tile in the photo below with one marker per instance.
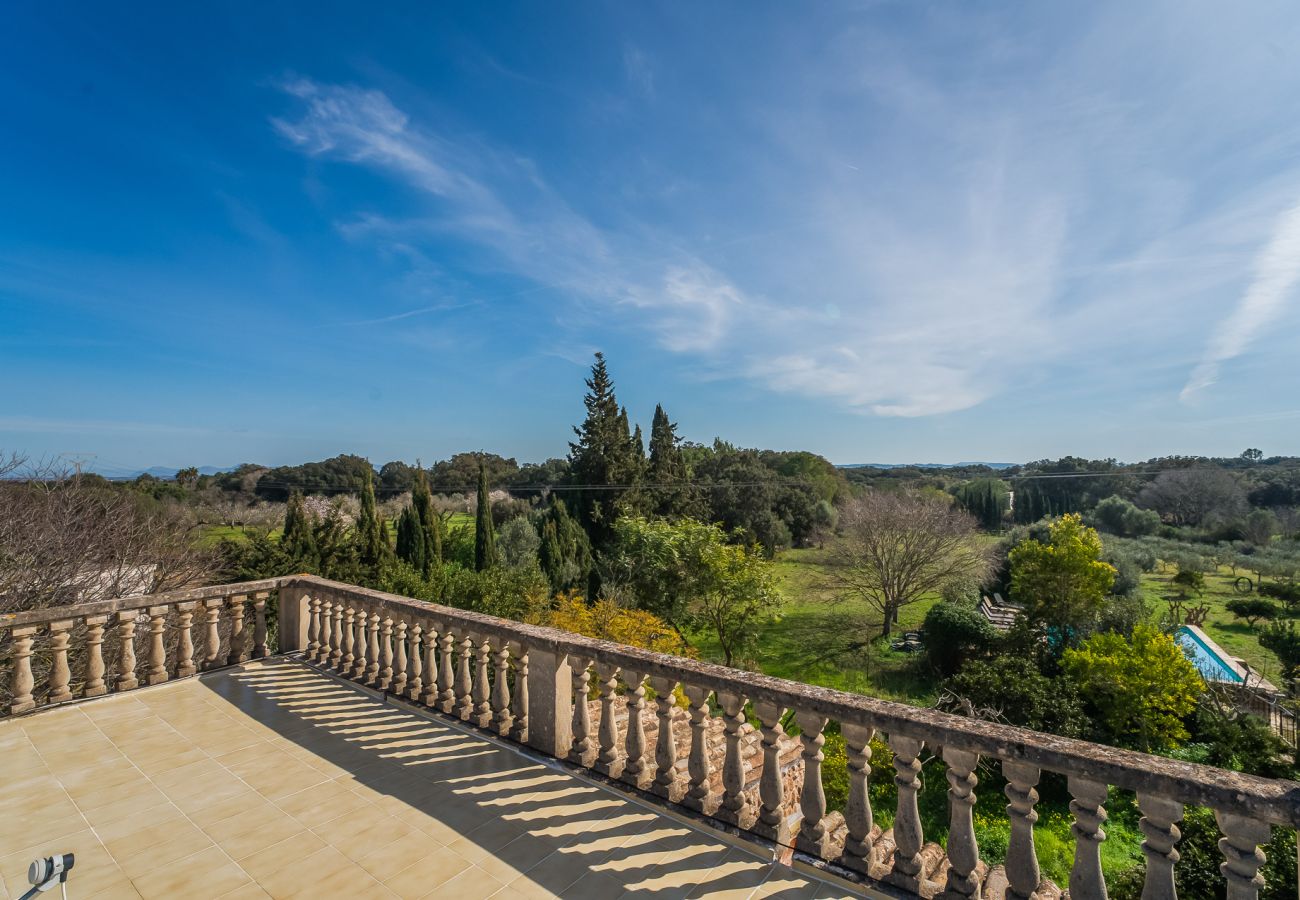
(208, 873)
(183, 842)
(427, 873)
(242, 836)
(471, 884)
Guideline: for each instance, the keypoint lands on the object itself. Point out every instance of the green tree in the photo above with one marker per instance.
(1062, 584)
(372, 536)
(987, 499)
(954, 632)
(485, 550)
(1141, 688)
(429, 520)
(1011, 687)
(298, 540)
(1284, 642)
(666, 470)
(602, 461)
(410, 539)
(1252, 609)
(565, 550)
(517, 544)
(1119, 516)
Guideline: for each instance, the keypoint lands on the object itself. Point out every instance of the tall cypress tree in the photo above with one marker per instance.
(666, 469)
(372, 536)
(485, 543)
(565, 551)
(602, 457)
(299, 539)
(410, 539)
(430, 521)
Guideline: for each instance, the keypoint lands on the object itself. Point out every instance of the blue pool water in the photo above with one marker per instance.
(1206, 660)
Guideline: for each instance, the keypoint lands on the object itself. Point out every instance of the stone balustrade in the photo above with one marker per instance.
(708, 738)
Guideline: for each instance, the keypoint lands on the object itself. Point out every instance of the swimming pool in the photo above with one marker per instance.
(1208, 657)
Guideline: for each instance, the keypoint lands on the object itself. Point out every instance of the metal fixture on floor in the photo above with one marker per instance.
(46, 872)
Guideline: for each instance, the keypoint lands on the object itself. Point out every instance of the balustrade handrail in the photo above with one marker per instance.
(1272, 800)
(141, 601)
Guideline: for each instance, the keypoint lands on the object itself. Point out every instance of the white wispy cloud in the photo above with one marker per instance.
(1276, 273)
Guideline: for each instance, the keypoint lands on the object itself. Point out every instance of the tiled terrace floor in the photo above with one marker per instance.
(274, 780)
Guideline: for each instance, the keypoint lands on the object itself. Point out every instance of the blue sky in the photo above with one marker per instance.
(881, 231)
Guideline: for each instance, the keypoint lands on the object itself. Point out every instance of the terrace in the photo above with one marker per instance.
(346, 742)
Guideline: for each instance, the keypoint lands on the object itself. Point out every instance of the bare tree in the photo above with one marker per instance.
(1200, 496)
(67, 539)
(897, 547)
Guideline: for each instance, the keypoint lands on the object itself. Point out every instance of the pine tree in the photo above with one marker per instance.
(371, 534)
(485, 546)
(603, 457)
(299, 540)
(430, 521)
(667, 467)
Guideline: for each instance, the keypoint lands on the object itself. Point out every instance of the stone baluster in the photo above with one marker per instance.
(1240, 846)
(313, 627)
(346, 658)
(857, 810)
(908, 835)
(260, 650)
(665, 782)
(1086, 879)
(337, 636)
(384, 671)
(609, 762)
(771, 786)
(372, 650)
(697, 764)
(23, 682)
(157, 673)
(212, 634)
(482, 713)
(963, 851)
(326, 653)
(126, 680)
(398, 683)
(95, 685)
(446, 671)
(60, 674)
(584, 749)
(735, 805)
(1023, 873)
(813, 837)
(465, 678)
(519, 696)
(185, 641)
(635, 769)
(415, 662)
(502, 718)
(429, 696)
(238, 635)
(1160, 836)
(359, 646)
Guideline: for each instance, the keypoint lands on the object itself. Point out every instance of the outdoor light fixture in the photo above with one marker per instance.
(47, 871)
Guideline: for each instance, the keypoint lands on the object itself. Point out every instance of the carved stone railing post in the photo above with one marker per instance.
(609, 762)
(157, 673)
(429, 696)
(338, 638)
(346, 659)
(23, 682)
(519, 696)
(813, 837)
(1023, 874)
(963, 852)
(313, 626)
(60, 674)
(735, 805)
(126, 680)
(665, 782)
(482, 713)
(635, 770)
(697, 795)
(1160, 837)
(771, 785)
(238, 636)
(446, 670)
(584, 749)
(372, 650)
(212, 634)
(908, 835)
(360, 646)
(857, 809)
(95, 685)
(465, 678)
(260, 633)
(384, 670)
(398, 682)
(185, 666)
(501, 715)
(327, 639)
(415, 662)
(1240, 846)
(1086, 879)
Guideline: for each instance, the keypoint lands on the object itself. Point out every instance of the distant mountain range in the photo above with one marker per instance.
(165, 473)
(957, 465)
